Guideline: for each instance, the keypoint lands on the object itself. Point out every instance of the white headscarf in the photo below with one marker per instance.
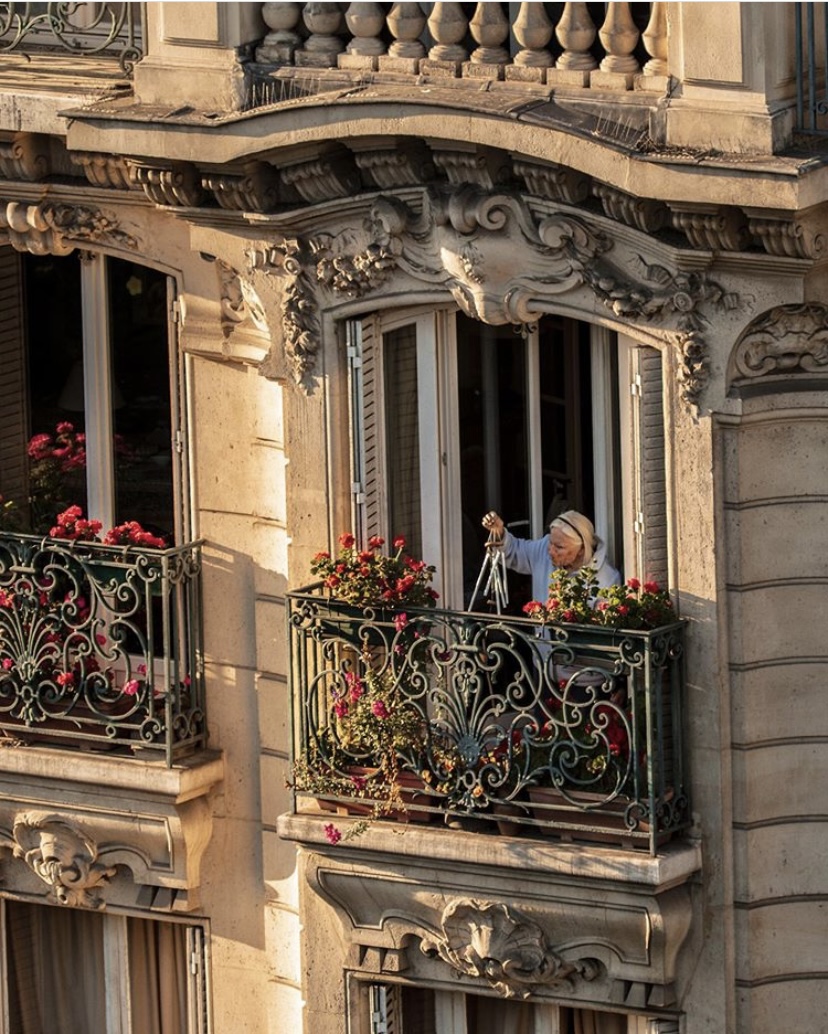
(578, 528)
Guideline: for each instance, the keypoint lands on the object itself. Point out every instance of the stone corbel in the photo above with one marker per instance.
(106, 170)
(175, 184)
(640, 213)
(24, 156)
(403, 164)
(57, 229)
(480, 167)
(554, 182)
(254, 188)
(782, 234)
(322, 178)
(785, 348)
(711, 227)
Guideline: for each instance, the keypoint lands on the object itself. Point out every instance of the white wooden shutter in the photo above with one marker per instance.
(14, 417)
(367, 439)
(650, 476)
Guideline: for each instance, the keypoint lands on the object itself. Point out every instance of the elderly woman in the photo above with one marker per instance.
(571, 544)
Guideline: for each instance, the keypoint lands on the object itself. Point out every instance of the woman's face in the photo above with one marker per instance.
(565, 551)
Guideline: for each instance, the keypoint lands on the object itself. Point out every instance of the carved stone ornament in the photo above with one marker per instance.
(56, 229)
(502, 263)
(490, 940)
(175, 184)
(63, 857)
(106, 170)
(239, 301)
(24, 156)
(788, 340)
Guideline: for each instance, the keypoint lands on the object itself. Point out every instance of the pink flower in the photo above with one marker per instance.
(142, 670)
(378, 709)
(399, 542)
(633, 583)
(100, 639)
(8, 664)
(532, 607)
(347, 540)
(66, 679)
(131, 687)
(332, 834)
(652, 587)
(341, 709)
(400, 621)
(376, 542)
(359, 783)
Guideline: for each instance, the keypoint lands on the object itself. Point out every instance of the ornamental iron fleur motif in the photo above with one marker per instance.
(500, 261)
(490, 940)
(63, 857)
(786, 340)
(57, 229)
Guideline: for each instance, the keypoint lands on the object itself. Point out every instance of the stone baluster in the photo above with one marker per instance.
(406, 23)
(576, 34)
(533, 30)
(279, 45)
(323, 45)
(447, 25)
(489, 28)
(619, 36)
(365, 23)
(655, 40)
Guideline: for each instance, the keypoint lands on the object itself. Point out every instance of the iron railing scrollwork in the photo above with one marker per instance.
(101, 645)
(811, 49)
(85, 29)
(577, 731)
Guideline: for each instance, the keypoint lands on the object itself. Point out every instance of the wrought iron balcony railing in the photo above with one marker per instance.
(479, 720)
(100, 646)
(82, 29)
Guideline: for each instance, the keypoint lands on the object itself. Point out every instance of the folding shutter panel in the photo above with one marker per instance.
(651, 472)
(14, 422)
(367, 465)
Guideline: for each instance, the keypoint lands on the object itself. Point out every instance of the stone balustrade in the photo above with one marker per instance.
(440, 40)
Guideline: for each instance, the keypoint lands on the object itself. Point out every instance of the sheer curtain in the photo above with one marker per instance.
(55, 979)
(157, 976)
(56, 972)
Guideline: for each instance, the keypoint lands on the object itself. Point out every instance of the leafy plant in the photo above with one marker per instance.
(369, 577)
(576, 598)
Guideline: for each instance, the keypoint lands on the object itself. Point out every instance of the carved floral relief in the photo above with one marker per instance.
(786, 340)
(502, 263)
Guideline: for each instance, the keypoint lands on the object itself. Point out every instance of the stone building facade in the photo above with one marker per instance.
(393, 265)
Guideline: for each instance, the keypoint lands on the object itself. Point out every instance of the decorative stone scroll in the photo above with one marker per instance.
(502, 262)
(239, 301)
(24, 156)
(493, 941)
(788, 342)
(64, 857)
(57, 229)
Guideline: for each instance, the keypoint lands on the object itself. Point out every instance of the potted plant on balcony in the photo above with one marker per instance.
(365, 759)
(589, 762)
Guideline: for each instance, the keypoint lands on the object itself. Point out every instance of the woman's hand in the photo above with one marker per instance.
(493, 523)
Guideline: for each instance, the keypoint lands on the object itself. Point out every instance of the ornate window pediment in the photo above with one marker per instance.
(503, 260)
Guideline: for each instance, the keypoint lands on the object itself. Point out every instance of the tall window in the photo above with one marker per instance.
(91, 402)
(69, 970)
(453, 418)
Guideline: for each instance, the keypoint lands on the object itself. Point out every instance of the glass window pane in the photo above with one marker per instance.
(141, 396)
(54, 343)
